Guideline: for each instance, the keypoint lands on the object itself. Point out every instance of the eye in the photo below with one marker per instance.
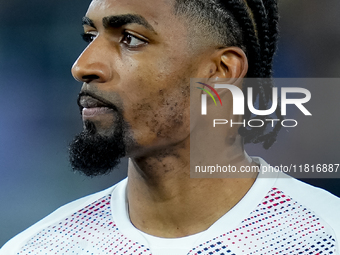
(88, 37)
(132, 41)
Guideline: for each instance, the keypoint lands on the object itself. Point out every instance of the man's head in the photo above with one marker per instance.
(137, 67)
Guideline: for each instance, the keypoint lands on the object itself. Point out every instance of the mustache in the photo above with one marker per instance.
(98, 98)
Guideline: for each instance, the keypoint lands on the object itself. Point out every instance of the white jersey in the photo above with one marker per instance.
(278, 215)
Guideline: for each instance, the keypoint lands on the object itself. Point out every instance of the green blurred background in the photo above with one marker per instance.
(39, 41)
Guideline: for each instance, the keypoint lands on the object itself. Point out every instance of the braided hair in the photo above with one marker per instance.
(251, 25)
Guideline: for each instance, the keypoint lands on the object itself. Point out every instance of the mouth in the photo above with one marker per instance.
(93, 107)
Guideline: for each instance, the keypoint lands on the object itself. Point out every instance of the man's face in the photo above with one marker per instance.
(137, 66)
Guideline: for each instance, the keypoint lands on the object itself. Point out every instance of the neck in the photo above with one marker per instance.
(164, 201)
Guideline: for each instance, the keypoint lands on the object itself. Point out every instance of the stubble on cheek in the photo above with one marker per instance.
(163, 115)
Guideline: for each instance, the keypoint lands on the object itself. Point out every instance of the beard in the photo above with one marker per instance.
(94, 154)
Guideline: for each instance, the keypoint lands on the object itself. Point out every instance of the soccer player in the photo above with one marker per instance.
(135, 103)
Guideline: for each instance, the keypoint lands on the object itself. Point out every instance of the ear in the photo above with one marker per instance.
(230, 63)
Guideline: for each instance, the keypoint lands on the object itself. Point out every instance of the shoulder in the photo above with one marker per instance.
(316, 202)
(54, 217)
(315, 198)
(320, 201)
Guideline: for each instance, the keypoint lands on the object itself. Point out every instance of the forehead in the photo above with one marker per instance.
(156, 12)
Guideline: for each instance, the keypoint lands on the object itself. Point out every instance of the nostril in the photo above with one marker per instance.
(91, 77)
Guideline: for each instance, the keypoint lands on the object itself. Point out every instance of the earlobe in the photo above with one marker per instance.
(231, 63)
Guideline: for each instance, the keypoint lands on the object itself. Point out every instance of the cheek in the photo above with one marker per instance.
(173, 115)
(160, 114)
(157, 104)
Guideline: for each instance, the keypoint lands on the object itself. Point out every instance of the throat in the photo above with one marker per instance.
(174, 205)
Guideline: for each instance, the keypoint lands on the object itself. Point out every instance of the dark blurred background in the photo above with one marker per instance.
(39, 41)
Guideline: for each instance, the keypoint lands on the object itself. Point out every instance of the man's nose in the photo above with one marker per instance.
(92, 65)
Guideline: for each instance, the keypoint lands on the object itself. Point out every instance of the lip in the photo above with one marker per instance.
(92, 107)
(95, 111)
(91, 102)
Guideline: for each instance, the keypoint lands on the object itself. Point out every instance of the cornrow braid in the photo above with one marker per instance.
(261, 21)
(253, 26)
(273, 21)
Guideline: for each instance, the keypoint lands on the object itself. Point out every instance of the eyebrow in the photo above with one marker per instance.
(117, 21)
(87, 21)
